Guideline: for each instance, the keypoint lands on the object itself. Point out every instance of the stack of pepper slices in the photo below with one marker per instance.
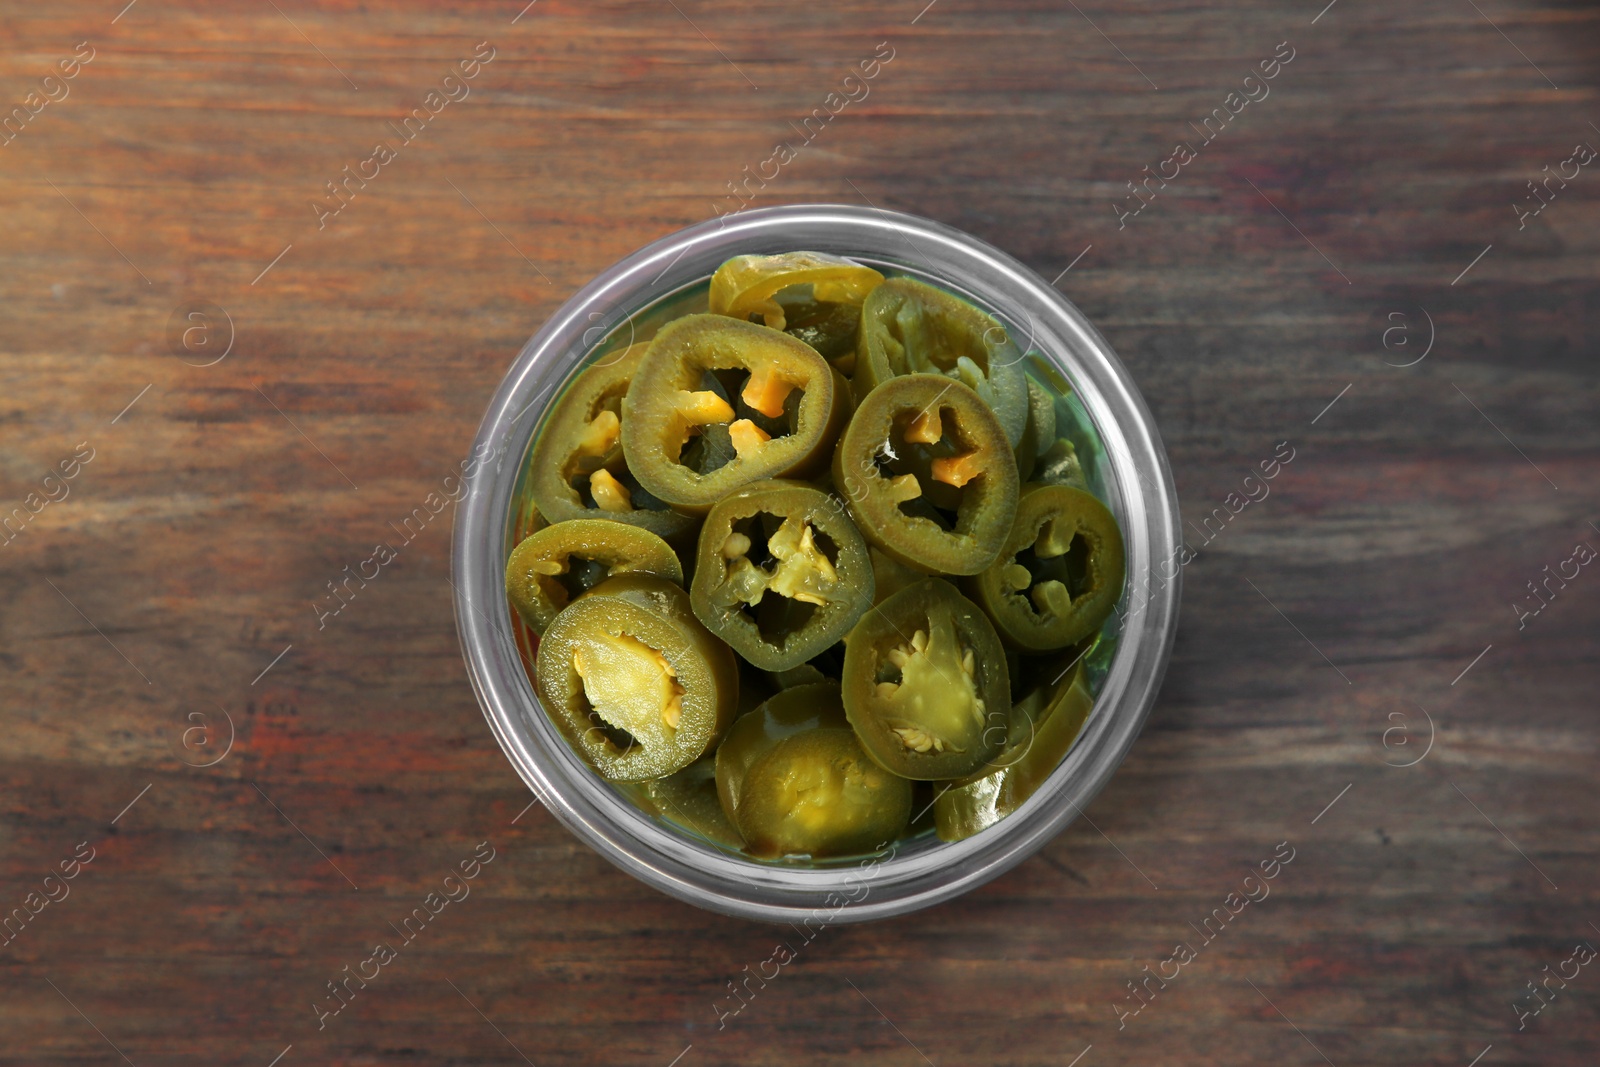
(883, 538)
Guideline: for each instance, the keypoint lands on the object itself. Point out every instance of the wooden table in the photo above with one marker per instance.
(1359, 215)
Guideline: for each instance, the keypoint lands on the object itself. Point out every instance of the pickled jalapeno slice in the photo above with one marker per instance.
(1044, 726)
(689, 798)
(781, 573)
(557, 564)
(832, 329)
(925, 684)
(1039, 433)
(908, 327)
(578, 469)
(746, 285)
(889, 575)
(809, 295)
(634, 681)
(784, 714)
(718, 403)
(1059, 465)
(795, 780)
(1059, 572)
(928, 474)
(817, 794)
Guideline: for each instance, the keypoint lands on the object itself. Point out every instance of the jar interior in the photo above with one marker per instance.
(614, 333)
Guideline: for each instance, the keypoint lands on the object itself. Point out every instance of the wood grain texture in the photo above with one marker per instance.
(188, 552)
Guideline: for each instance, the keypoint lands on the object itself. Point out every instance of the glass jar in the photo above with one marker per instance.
(1132, 471)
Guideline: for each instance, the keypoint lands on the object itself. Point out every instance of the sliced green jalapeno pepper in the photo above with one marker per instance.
(889, 575)
(928, 474)
(1040, 432)
(832, 329)
(718, 403)
(559, 563)
(689, 798)
(634, 681)
(1050, 373)
(908, 327)
(1059, 572)
(808, 295)
(784, 714)
(925, 683)
(747, 285)
(1059, 465)
(781, 573)
(817, 794)
(577, 468)
(1044, 727)
(796, 781)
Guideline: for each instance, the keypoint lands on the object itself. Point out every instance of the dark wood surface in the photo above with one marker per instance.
(1251, 293)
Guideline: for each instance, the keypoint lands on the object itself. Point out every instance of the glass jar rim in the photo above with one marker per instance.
(1139, 480)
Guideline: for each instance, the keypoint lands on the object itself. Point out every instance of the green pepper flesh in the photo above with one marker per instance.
(634, 681)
